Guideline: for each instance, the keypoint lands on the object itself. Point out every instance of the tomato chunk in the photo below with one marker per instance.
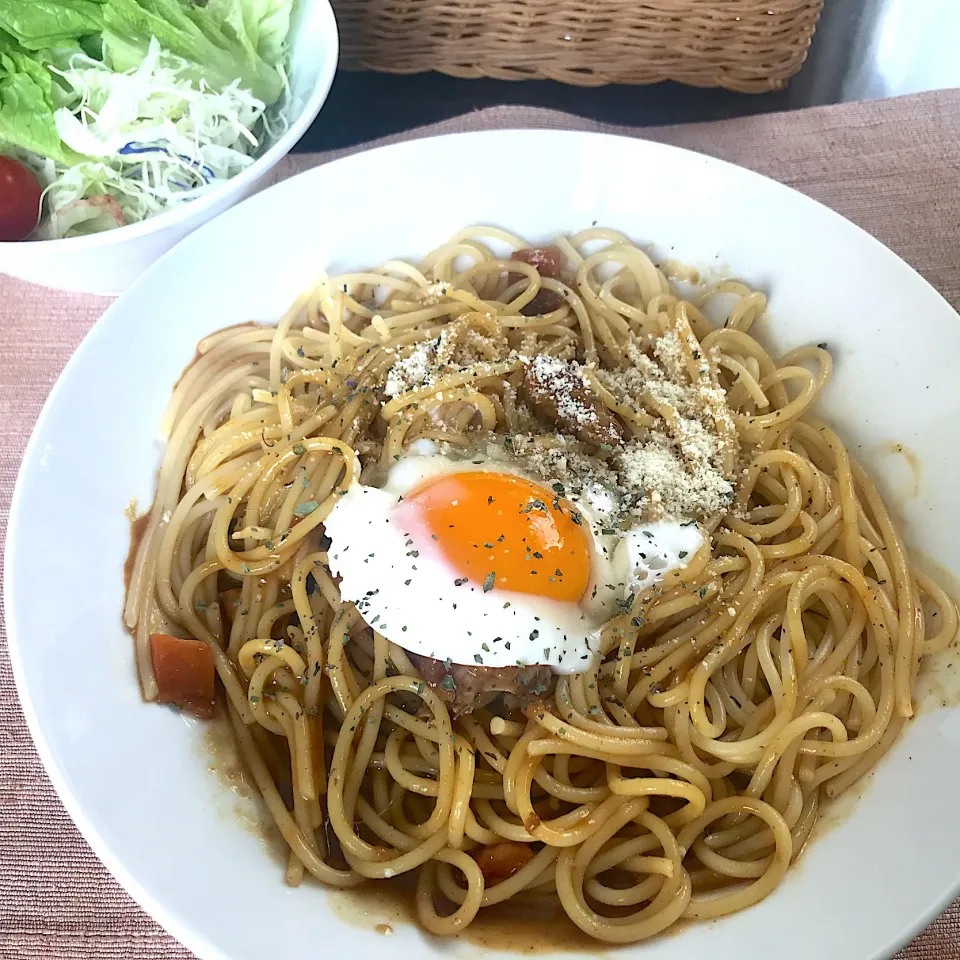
(185, 673)
(503, 860)
(19, 200)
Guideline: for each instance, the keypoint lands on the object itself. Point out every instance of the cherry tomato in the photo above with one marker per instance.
(19, 200)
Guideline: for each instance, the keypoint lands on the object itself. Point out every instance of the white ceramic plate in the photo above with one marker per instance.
(135, 778)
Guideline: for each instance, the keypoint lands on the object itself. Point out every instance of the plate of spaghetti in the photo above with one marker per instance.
(543, 560)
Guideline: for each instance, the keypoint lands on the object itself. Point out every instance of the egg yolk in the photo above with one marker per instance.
(501, 531)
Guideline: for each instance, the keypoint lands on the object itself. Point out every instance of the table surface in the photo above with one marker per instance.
(890, 166)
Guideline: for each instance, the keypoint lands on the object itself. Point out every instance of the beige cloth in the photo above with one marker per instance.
(891, 166)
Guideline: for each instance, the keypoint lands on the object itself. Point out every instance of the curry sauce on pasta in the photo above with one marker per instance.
(521, 577)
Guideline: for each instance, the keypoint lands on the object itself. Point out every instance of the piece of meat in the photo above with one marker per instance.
(557, 390)
(185, 673)
(465, 688)
(547, 261)
(502, 860)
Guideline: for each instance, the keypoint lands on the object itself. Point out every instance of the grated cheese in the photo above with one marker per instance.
(453, 351)
(564, 379)
(670, 484)
(673, 470)
(431, 295)
(416, 370)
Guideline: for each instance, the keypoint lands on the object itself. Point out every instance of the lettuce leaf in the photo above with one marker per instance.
(27, 105)
(212, 36)
(226, 40)
(268, 23)
(265, 24)
(42, 24)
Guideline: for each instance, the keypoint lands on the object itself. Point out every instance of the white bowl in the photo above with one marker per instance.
(107, 263)
(135, 777)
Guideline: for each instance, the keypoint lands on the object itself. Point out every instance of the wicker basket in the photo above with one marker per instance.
(750, 46)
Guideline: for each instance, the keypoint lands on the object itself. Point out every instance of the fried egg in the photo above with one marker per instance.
(475, 562)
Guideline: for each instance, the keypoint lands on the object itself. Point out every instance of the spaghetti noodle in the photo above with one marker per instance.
(682, 772)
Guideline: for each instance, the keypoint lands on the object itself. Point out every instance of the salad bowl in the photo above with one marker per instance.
(110, 261)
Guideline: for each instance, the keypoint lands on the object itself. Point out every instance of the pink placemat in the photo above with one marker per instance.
(891, 166)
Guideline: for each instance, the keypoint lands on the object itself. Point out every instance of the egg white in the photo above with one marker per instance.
(418, 601)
